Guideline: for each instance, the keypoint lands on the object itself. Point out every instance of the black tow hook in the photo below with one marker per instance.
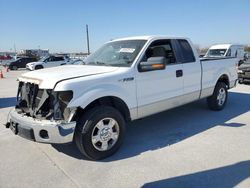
(7, 125)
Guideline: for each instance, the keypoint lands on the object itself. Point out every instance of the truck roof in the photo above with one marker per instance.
(223, 46)
(149, 37)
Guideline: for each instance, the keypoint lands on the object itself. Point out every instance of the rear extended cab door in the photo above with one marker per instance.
(192, 72)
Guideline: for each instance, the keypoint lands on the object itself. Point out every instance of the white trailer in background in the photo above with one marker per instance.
(227, 50)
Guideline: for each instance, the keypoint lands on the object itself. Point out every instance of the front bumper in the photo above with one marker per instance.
(44, 131)
(244, 77)
(28, 67)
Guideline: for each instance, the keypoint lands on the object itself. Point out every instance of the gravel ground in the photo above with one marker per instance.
(189, 146)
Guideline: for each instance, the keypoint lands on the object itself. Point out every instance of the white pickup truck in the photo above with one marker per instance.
(126, 79)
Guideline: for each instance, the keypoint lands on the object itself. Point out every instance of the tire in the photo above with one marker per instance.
(218, 100)
(241, 82)
(38, 67)
(91, 135)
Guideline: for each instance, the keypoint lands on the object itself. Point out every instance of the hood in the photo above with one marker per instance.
(35, 62)
(47, 78)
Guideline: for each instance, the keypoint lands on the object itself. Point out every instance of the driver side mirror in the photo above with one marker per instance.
(152, 64)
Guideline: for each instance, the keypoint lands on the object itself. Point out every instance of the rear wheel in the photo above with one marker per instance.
(219, 98)
(38, 67)
(99, 132)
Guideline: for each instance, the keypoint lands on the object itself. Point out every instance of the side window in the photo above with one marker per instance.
(229, 53)
(58, 58)
(49, 59)
(187, 52)
(161, 48)
(55, 59)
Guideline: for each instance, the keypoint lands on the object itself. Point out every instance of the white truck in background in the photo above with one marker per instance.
(227, 50)
(126, 79)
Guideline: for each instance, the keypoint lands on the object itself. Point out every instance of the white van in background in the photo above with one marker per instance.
(227, 50)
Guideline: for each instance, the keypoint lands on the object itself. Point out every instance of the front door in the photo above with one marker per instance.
(161, 89)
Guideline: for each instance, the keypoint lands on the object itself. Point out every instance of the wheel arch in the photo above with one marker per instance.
(112, 101)
(225, 79)
(39, 65)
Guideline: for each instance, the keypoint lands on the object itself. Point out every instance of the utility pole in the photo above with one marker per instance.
(15, 47)
(87, 32)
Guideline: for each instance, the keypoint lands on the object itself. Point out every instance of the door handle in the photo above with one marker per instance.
(179, 73)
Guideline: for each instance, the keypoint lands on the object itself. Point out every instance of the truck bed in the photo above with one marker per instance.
(211, 70)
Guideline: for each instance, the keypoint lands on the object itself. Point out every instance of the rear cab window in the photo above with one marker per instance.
(186, 51)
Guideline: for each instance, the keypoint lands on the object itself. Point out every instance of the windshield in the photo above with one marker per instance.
(216, 52)
(118, 53)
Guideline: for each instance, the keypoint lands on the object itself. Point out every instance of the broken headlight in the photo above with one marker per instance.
(62, 99)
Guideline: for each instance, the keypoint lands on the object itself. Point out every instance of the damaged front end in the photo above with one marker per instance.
(44, 104)
(42, 115)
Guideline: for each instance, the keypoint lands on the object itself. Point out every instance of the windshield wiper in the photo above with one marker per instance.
(98, 63)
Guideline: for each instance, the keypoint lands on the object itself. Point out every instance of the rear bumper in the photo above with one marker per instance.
(44, 131)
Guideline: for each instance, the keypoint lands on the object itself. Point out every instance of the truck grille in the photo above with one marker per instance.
(42, 103)
(33, 101)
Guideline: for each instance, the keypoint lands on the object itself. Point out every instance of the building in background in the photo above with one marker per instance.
(34, 52)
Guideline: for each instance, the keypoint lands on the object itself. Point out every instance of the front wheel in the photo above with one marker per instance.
(219, 98)
(99, 132)
(38, 67)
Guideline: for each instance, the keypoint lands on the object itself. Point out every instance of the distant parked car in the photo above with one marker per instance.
(77, 62)
(5, 60)
(20, 63)
(244, 73)
(5, 57)
(49, 61)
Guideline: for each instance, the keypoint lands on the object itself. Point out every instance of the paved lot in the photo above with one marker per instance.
(190, 146)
